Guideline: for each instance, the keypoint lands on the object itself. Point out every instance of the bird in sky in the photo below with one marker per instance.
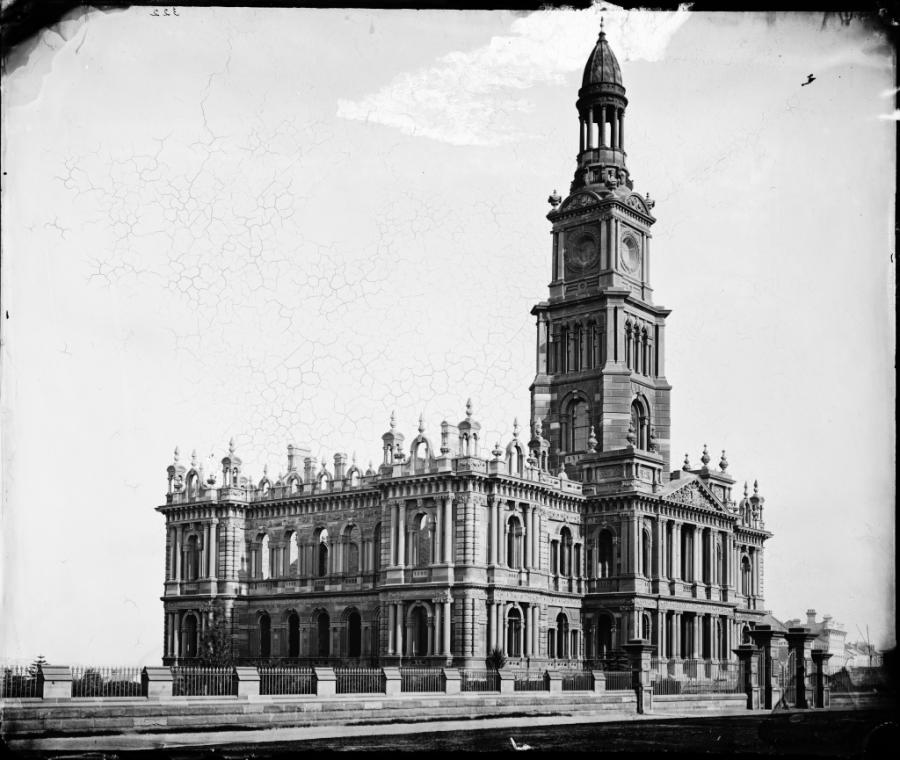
(809, 80)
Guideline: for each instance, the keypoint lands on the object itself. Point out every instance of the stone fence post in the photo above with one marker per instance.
(800, 642)
(393, 684)
(156, 683)
(452, 681)
(763, 637)
(55, 681)
(554, 681)
(507, 682)
(823, 692)
(246, 682)
(326, 682)
(599, 681)
(639, 652)
(748, 657)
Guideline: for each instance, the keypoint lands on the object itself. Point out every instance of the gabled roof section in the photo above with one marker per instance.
(691, 490)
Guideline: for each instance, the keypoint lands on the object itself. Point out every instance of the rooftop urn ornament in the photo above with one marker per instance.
(515, 427)
(176, 455)
(746, 490)
(554, 199)
(469, 409)
(649, 201)
(497, 452)
(704, 457)
(393, 421)
(538, 427)
(421, 423)
(723, 462)
(652, 442)
(370, 471)
(592, 441)
(687, 463)
(756, 488)
(231, 446)
(445, 437)
(194, 459)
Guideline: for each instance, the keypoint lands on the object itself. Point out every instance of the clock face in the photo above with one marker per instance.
(582, 252)
(630, 255)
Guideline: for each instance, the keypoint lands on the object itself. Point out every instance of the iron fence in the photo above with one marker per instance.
(577, 682)
(703, 677)
(89, 681)
(530, 681)
(19, 682)
(479, 680)
(420, 680)
(193, 681)
(286, 680)
(618, 680)
(359, 681)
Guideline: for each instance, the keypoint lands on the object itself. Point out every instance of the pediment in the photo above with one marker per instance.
(580, 200)
(693, 493)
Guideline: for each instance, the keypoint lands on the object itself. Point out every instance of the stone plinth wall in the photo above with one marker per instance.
(699, 703)
(36, 718)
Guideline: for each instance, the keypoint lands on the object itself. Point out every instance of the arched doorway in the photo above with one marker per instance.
(420, 632)
(190, 636)
(293, 635)
(265, 636)
(354, 634)
(604, 635)
(323, 634)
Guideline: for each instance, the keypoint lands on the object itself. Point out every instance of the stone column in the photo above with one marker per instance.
(448, 532)
(504, 631)
(822, 697)
(213, 549)
(526, 537)
(661, 634)
(178, 557)
(661, 548)
(676, 551)
(697, 637)
(446, 635)
(614, 128)
(492, 625)
(800, 643)
(748, 657)
(622, 129)
(763, 637)
(676, 636)
(177, 633)
(401, 533)
(639, 652)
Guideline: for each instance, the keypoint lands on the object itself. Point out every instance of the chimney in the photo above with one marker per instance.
(810, 617)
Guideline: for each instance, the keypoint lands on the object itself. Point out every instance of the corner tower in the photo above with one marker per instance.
(600, 391)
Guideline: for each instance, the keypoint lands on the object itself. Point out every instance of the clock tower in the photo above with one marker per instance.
(600, 395)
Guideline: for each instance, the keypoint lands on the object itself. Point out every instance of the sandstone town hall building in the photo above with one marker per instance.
(557, 547)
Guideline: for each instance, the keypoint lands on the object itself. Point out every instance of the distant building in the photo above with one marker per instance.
(558, 546)
(830, 636)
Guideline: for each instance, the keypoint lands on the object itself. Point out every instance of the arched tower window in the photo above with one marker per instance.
(579, 426)
(323, 553)
(746, 577)
(514, 543)
(645, 626)
(646, 556)
(640, 423)
(605, 566)
(264, 557)
(565, 552)
(193, 558)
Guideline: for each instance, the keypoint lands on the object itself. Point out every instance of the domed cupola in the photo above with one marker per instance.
(601, 116)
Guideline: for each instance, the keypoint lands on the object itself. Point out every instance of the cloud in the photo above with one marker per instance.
(467, 97)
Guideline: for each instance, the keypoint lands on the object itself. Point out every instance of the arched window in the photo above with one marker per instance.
(354, 634)
(323, 553)
(293, 555)
(640, 423)
(351, 550)
(265, 635)
(565, 552)
(605, 567)
(513, 633)
(190, 636)
(579, 426)
(746, 577)
(514, 543)
(419, 631)
(646, 556)
(420, 548)
(562, 635)
(192, 557)
(293, 635)
(264, 557)
(323, 634)
(645, 626)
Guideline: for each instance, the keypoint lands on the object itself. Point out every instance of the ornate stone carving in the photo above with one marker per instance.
(580, 200)
(637, 203)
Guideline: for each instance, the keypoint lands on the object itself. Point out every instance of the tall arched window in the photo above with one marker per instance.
(421, 545)
(190, 636)
(293, 555)
(645, 627)
(640, 423)
(354, 634)
(514, 543)
(746, 577)
(192, 557)
(323, 634)
(579, 425)
(376, 548)
(565, 552)
(265, 635)
(646, 555)
(293, 635)
(513, 633)
(323, 553)
(605, 554)
(562, 635)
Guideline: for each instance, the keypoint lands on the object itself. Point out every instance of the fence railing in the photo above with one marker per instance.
(190, 681)
(19, 682)
(479, 680)
(297, 680)
(105, 681)
(530, 681)
(359, 681)
(418, 680)
(577, 682)
(618, 680)
(698, 677)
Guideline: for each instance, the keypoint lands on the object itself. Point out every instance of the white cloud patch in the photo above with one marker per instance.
(467, 97)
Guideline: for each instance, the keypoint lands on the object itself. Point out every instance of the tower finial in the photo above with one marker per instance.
(177, 453)
(687, 463)
(393, 420)
(756, 488)
(515, 427)
(469, 409)
(231, 445)
(422, 422)
(704, 457)
(194, 459)
(538, 427)
(602, 33)
(746, 489)
(723, 462)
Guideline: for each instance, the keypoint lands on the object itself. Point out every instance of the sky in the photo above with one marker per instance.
(281, 225)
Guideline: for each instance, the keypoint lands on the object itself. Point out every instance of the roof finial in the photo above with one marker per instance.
(354, 457)
(422, 422)
(231, 445)
(756, 488)
(592, 440)
(515, 427)
(746, 489)
(687, 463)
(538, 427)
(704, 457)
(194, 458)
(176, 454)
(602, 33)
(723, 462)
(265, 470)
(469, 409)
(393, 420)
(497, 452)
